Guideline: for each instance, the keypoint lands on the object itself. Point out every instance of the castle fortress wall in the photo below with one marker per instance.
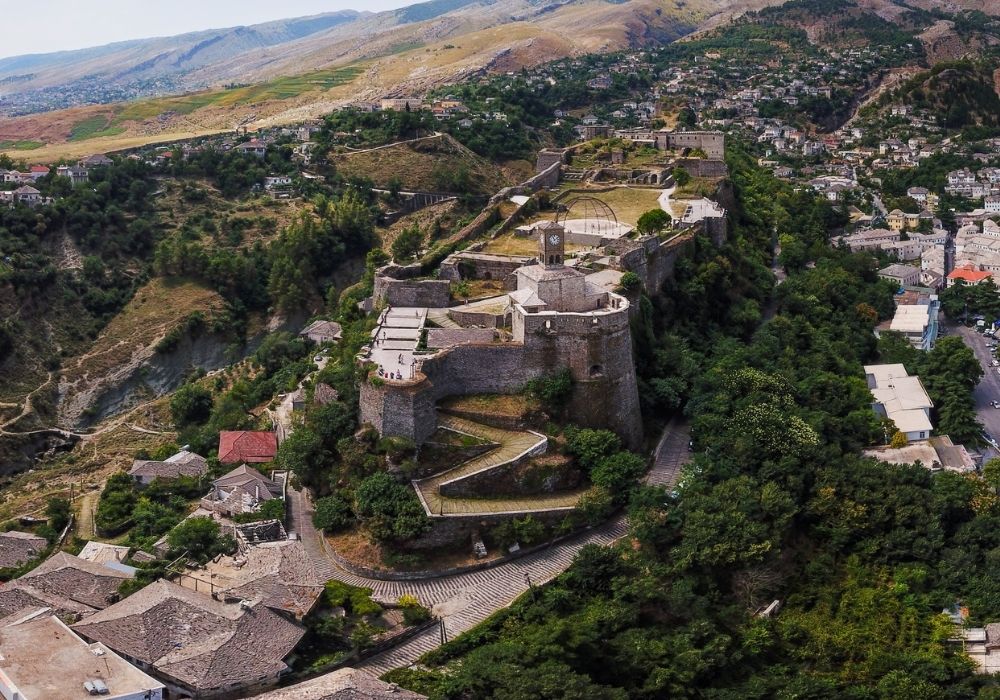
(597, 349)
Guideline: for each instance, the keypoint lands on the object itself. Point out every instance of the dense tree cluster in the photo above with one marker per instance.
(779, 504)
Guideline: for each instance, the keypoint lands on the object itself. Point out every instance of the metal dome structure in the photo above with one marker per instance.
(590, 215)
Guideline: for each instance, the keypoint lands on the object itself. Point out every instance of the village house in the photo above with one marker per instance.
(901, 398)
(17, 548)
(253, 147)
(321, 332)
(400, 104)
(43, 659)
(247, 446)
(902, 275)
(968, 275)
(243, 490)
(343, 684)
(184, 463)
(196, 645)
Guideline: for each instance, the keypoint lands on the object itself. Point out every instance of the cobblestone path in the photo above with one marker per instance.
(464, 600)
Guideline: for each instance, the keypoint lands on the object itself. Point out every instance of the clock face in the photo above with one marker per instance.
(554, 239)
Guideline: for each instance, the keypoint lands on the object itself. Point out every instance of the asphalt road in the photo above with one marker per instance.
(989, 386)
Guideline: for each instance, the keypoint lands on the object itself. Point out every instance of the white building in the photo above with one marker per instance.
(43, 659)
(901, 398)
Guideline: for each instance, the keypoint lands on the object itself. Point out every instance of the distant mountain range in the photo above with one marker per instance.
(136, 92)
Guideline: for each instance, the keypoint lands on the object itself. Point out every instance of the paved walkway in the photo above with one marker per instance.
(513, 444)
(464, 600)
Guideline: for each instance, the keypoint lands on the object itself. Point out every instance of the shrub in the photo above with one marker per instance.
(590, 446)
(353, 599)
(553, 391)
(332, 513)
(190, 405)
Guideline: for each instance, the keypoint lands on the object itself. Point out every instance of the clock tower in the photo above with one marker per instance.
(551, 244)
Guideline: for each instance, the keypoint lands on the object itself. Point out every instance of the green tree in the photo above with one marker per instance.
(332, 513)
(199, 539)
(190, 405)
(991, 473)
(407, 244)
(58, 512)
(653, 221)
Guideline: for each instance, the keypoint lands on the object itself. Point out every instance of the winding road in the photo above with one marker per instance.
(464, 600)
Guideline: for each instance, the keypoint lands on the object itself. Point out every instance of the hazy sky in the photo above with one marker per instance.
(44, 26)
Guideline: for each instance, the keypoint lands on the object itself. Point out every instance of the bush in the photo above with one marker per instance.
(618, 472)
(190, 405)
(553, 391)
(413, 612)
(332, 513)
(389, 509)
(630, 282)
(353, 599)
(590, 446)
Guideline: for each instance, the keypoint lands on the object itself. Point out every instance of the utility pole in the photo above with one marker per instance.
(443, 631)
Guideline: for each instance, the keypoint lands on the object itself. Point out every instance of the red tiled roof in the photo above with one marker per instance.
(39, 169)
(253, 446)
(968, 275)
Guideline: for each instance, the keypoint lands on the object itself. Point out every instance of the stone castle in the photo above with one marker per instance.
(557, 317)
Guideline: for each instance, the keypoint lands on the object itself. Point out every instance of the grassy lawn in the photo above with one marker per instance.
(20, 145)
(628, 203)
(94, 127)
(279, 89)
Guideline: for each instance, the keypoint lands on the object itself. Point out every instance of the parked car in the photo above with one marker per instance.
(995, 404)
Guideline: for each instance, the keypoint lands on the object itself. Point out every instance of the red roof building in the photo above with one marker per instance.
(247, 446)
(968, 275)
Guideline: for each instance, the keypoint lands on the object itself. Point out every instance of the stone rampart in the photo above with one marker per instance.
(597, 349)
(394, 286)
(702, 167)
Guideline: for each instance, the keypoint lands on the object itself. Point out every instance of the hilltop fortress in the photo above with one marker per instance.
(556, 317)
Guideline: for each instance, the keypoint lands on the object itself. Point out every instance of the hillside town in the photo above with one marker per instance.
(716, 258)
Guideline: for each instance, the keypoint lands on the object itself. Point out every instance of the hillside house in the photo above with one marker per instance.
(184, 463)
(243, 490)
(901, 398)
(253, 147)
(196, 645)
(968, 275)
(17, 548)
(321, 332)
(247, 446)
(343, 684)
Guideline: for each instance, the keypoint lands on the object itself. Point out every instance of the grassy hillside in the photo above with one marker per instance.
(958, 94)
(437, 164)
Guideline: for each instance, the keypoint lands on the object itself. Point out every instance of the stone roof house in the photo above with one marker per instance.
(247, 446)
(72, 578)
(278, 574)
(18, 548)
(322, 332)
(242, 490)
(195, 644)
(184, 463)
(343, 684)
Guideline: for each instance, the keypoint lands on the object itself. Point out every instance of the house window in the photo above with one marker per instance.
(923, 434)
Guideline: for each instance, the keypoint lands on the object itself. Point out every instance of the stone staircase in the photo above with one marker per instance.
(440, 318)
(512, 445)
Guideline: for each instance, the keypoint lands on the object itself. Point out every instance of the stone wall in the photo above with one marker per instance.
(597, 349)
(483, 267)
(409, 292)
(547, 157)
(458, 531)
(713, 143)
(525, 477)
(701, 167)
